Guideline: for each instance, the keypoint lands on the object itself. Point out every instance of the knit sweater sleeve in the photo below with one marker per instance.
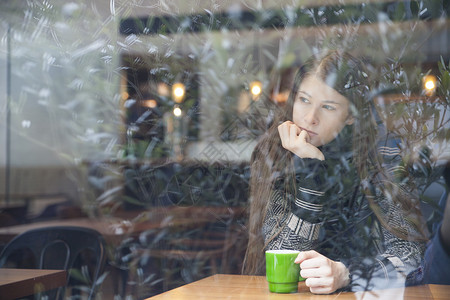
(396, 257)
(293, 221)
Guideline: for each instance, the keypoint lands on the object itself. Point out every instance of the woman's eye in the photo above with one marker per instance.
(303, 99)
(329, 107)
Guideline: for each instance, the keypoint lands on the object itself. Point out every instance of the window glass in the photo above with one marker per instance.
(158, 119)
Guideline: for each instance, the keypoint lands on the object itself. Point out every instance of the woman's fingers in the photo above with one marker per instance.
(291, 135)
(293, 131)
(283, 131)
(312, 272)
(304, 255)
(322, 285)
(316, 267)
(319, 282)
(304, 136)
(297, 141)
(321, 290)
(323, 275)
(313, 263)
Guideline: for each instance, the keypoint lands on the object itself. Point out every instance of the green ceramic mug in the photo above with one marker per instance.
(281, 271)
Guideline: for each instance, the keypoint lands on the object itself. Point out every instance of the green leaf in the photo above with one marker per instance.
(441, 66)
(445, 81)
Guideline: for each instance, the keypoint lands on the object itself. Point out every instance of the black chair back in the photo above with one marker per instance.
(78, 250)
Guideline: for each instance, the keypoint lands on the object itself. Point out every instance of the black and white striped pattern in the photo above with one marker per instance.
(309, 206)
(311, 192)
(303, 228)
(389, 151)
(296, 233)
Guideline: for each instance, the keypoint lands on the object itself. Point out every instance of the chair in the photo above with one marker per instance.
(80, 251)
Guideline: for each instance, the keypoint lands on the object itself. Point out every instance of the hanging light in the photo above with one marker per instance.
(178, 92)
(177, 112)
(429, 84)
(255, 89)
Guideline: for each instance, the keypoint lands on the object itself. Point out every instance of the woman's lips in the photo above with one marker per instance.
(309, 131)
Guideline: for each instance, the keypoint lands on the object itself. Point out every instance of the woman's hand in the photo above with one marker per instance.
(296, 140)
(323, 275)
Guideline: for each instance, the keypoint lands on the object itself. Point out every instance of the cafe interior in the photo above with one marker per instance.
(127, 128)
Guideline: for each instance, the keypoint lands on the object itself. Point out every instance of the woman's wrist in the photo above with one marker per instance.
(344, 275)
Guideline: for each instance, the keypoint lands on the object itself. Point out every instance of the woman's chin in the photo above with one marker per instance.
(316, 142)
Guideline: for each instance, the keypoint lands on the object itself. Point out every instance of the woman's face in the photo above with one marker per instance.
(320, 110)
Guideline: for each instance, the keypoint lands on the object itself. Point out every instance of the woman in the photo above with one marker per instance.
(318, 186)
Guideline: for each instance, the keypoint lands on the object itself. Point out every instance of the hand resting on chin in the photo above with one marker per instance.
(296, 140)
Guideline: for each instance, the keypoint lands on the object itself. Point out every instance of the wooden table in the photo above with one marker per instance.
(255, 287)
(16, 283)
(114, 228)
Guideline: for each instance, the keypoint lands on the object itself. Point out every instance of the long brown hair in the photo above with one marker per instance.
(346, 75)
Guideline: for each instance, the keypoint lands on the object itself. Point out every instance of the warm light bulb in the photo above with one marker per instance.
(178, 91)
(429, 84)
(177, 112)
(255, 89)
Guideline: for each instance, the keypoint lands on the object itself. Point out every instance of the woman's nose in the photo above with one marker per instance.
(311, 117)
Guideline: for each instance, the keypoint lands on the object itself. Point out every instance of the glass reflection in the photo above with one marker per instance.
(88, 127)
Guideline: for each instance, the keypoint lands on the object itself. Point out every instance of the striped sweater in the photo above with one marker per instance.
(329, 214)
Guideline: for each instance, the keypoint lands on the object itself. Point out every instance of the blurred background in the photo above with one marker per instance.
(111, 109)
